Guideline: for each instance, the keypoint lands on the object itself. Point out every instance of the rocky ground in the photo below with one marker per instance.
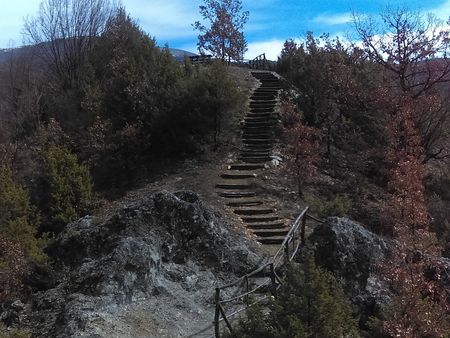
(147, 270)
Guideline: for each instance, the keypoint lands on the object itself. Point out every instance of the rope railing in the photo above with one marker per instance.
(287, 251)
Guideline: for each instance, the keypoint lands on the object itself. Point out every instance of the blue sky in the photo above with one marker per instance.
(271, 21)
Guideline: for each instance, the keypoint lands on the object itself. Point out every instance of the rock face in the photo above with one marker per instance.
(352, 253)
(148, 270)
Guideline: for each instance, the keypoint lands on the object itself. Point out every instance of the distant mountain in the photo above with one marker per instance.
(5, 54)
(179, 54)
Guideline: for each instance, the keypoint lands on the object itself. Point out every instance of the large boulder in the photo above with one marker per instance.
(352, 253)
(134, 272)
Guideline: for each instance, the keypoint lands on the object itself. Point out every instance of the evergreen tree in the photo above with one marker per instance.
(18, 221)
(310, 304)
(69, 187)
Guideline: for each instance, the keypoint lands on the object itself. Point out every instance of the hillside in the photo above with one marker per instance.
(143, 194)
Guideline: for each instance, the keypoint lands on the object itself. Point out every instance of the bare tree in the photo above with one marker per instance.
(64, 31)
(412, 46)
(224, 38)
(413, 49)
(20, 92)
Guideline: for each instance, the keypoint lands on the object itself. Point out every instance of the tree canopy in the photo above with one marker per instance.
(224, 37)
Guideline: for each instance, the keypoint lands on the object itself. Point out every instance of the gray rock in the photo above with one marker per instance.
(352, 253)
(129, 275)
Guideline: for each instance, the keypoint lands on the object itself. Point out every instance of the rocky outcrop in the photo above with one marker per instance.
(352, 253)
(147, 270)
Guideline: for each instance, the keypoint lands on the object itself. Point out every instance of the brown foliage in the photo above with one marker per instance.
(224, 38)
(420, 307)
(413, 51)
(302, 146)
(13, 268)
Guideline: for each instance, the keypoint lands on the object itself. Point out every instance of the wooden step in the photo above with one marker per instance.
(261, 104)
(267, 225)
(233, 186)
(259, 136)
(261, 118)
(255, 153)
(254, 159)
(270, 240)
(271, 232)
(237, 176)
(258, 141)
(260, 219)
(237, 194)
(258, 148)
(244, 202)
(253, 211)
(244, 166)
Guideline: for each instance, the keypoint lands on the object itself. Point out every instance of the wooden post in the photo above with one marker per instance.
(217, 313)
(286, 253)
(222, 311)
(302, 232)
(273, 279)
(247, 289)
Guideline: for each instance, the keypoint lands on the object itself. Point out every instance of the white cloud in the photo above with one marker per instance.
(165, 19)
(442, 11)
(333, 19)
(272, 48)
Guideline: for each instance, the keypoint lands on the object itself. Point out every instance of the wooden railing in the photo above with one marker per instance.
(203, 58)
(259, 62)
(285, 254)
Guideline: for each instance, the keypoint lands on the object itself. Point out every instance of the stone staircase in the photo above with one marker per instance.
(237, 182)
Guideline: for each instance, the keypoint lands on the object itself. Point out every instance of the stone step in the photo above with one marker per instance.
(271, 240)
(260, 219)
(233, 186)
(267, 225)
(245, 166)
(237, 176)
(253, 211)
(237, 194)
(244, 202)
(268, 110)
(271, 232)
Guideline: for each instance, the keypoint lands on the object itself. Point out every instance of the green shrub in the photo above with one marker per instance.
(340, 205)
(18, 221)
(69, 186)
(311, 303)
